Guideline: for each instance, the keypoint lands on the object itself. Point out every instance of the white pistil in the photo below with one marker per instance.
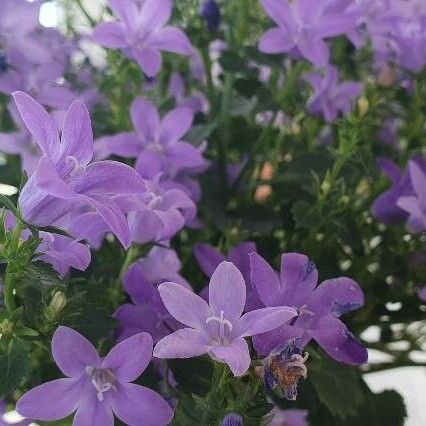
(222, 322)
(103, 380)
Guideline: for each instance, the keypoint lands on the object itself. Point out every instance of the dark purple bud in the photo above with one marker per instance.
(211, 13)
(283, 368)
(232, 419)
(3, 62)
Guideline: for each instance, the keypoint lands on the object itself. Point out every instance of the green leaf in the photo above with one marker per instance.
(14, 366)
(337, 386)
(7, 202)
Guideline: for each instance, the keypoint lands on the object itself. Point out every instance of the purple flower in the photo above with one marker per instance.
(385, 208)
(156, 142)
(158, 214)
(330, 97)
(319, 307)
(60, 251)
(217, 328)
(303, 24)
(97, 388)
(211, 13)
(415, 205)
(209, 259)
(232, 419)
(283, 368)
(197, 102)
(422, 294)
(64, 178)
(147, 311)
(142, 34)
(289, 417)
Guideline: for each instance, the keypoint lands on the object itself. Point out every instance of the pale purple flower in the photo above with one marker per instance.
(142, 33)
(147, 311)
(232, 419)
(415, 205)
(319, 308)
(156, 142)
(422, 294)
(97, 388)
(64, 178)
(385, 208)
(291, 417)
(209, 258)
(158, 214)
(217, 328)
(197, 102)
(60, 251)
(18, 21)
(331, 97)
(304, 24)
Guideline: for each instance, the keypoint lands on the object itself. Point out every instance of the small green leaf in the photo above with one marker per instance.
(14, 366)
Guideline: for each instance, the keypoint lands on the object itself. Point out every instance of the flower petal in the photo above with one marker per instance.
(145, 118)
(172, 40)
(156, 13)
(333, 336)
(37, 404)
(263, 320)
(72, 352)
(317, 51)
(110, 34)
(39, 123)
(279, 11)
(265, 280)
(77, 134)
(183, 343)
(127, 145)
(275, 40)
(418, 180)
(127, 10)
(185, 156)
(236, 355)
(336, 296)
(208, 258)
(138, 405)
(109, 177)
(227, 292)
(129, 359)
(176, 124)
(149, 60)
(184, 305)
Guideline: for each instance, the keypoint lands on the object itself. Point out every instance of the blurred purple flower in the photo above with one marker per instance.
(97, 388)
(142, 33)
(210, 11)
(331, 97)
(64, 178)
(304, 24)
(197, 102)
(422, 294)
(216, 328)
(415, 205)
(209, 259)
(291, 417)
(319, 308)
(232, 419)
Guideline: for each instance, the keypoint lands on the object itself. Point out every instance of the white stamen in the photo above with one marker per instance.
(222, 322)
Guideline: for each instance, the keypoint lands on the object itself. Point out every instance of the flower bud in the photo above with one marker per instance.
(58, 303)
(211, 13)
(363, 106)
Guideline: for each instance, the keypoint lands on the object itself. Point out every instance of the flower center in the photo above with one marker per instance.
(154, 200)
(75, 167)
(157, 147)
(102, 379)
(223, 323)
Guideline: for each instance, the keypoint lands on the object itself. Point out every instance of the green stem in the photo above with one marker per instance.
(131, 255)
(11, 271)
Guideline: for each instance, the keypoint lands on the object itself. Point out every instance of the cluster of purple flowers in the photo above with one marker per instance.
(73, 184)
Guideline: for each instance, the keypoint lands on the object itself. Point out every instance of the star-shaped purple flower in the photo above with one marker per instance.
(64, 178)
(331, 97)
(97, 388)
(304, 24)
(319, 307)
(142, 33)
(217, 328)
(157, 143)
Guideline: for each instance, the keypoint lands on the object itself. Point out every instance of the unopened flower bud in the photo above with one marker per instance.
(58, 303)
(363, 106)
